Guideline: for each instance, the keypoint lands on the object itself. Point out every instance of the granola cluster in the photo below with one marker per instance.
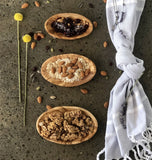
(67, 126)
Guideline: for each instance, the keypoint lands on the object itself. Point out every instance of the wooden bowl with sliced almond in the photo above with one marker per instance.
(68, 70)
(68, 26)
(67, 125)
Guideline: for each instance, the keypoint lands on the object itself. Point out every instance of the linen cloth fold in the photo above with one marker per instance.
(129, 117)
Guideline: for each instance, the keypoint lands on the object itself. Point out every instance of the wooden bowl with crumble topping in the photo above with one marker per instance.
(68, 26)
(68, 70)
(67, 125)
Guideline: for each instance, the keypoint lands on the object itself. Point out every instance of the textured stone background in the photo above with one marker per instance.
(24, 143)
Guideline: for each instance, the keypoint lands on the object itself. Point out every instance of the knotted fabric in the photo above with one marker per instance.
(129, 113)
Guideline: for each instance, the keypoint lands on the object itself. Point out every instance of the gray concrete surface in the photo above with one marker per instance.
(24, 143)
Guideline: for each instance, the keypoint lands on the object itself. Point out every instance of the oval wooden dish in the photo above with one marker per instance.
(83, 125)
(51, 31)
(81, 71)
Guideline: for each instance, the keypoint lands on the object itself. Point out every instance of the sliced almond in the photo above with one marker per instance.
(75, 67)
(103, 73)
(41, 35)
(87, 71)
(61, 63)
(82, 74)
(95, 24)
(35, 36)
(71, 75)
(106, 105)
(60, 69)
(84, 91)
(105, 44)
(65, 74)
(69, 65)
(80, 65)
(74, 61)
(48, 107)
(71, 70)
(39, 99)
(53, 69)
(24, 5)
(64, 69)
(33, 44)
(37, 4)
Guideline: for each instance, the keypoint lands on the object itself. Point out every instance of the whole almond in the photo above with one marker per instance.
(105, 44)
(105, 1)
(95, 24)
(48, 107)
(61, 63)
(35, 36)
(71, 75)
(41, 35)
(87, 71)
(103, 73)
(33, 44)
(60, 69)
(65, 74)
(69, 65)
(39, 99)
(75, 67)
(37, 4)
(74, 61)
(80, 65)
(82, 74)
(84, 91)
(106, 104)
(71, 70)
(53, 69)
(24, 5)
(64, 69)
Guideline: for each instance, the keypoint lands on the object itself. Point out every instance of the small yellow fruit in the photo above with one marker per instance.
(27, 38)
(18, 16)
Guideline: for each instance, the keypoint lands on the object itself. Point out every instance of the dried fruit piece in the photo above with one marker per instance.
(95, 24)
(82, 74)
(60, 69)
(53, 69)
(105, 44)
(37, 4)
(103, 73)
(33, 44)
(87, 71)
(61, 63)
(24, 5)
(71, 75)
(64, 69)
(65, 74)
(106, 104)
(80, 65)
(35, 36)
(52, 97)
(84, 91)
(48, 107)
(39, 99)
(69, 65)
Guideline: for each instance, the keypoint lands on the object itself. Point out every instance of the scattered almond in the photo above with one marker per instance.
(37, 4)
(71, 75)
(53, 69)
(69, 64)
(64, 74)
(105, 1)
(74, 61)
(80, 65)
(105, 44)
(106, 104)
(60, 69)
(64, 69)
(41, 35)
(48, 107)
(35, 36)
(95, 24)
(84, 91)
(52, 97)
(61, 63)
(33, 44)
(75, 67)
(39, 99)
(103, 73)
(82, 74)
(71, 70)
(87, 71)
(24, 5)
